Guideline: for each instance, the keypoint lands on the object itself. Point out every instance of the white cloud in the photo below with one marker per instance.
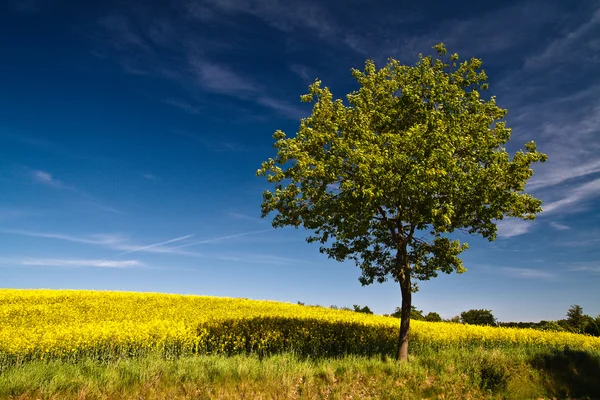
(561, 175)
(46, 178)
(220, 79)
(510, 227)
(150, 177)
(576, 195)
(527, 273)
(42, 176)
(559, 227)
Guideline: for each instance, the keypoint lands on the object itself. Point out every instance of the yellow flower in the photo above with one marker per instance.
(53, 323)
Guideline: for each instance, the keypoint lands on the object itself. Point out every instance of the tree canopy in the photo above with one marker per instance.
(478, 317)
(383, 179)
(433, 317)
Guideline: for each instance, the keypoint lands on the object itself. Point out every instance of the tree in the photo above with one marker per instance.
(576, 318)
(550, 326)
(415, 155)
(478, 317)
(433, 317)
(590, 327)
(364, 310)
(414, 313)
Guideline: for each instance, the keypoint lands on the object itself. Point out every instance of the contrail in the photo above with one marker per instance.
(220, 238)
(156, 244)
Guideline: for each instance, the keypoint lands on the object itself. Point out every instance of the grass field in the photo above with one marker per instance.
(87, 344)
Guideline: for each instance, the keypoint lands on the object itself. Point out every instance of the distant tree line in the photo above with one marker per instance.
(576, 321)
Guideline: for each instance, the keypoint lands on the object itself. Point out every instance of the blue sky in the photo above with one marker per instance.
(130, 133)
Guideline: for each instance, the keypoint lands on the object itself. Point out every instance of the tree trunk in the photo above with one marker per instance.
(405, 288)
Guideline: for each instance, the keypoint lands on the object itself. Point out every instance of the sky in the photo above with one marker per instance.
(131, 131)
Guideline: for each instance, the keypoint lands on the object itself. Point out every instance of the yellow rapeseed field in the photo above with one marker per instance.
(46, 324)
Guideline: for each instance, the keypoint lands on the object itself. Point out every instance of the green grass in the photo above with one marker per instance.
(451, 373)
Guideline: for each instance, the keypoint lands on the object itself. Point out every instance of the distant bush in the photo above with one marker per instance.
(364, 310)
(433, 317)
(478, 317)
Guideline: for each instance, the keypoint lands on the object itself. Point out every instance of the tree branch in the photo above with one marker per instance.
(388, 223)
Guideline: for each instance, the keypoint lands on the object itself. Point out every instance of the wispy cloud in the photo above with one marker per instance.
(105, 207)
(304, 72)
(583, 266)
(382, 40)
(510, 227)
(575, 201)
(110, 241)
(221, 238)
(7, 213)
(138, 42)
(307, 17)
(46, 178)
(79, 263)
(283, 107)
(588, 268)
(568, 135)
(246, 217)
(221, 79)
(212, 144)
(123, 32)
(21, 136)
(527, 273)
(155, 245)
(98, 239)
(572, 202)
(559, 227)
(28, 139)
(121, 243)
(590, 238)
(258, 259)
(563, 175)
(580, 44)
(150, 177)
(564, 116)
(184, 105)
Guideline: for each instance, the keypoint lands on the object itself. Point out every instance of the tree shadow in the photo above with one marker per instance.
(304, 337)
(570, 373)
